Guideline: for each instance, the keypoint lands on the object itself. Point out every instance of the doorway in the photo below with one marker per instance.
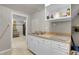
(19, 33)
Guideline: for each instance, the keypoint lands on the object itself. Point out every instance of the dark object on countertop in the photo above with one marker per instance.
(78, 14)
(76, 29)
(47, 17)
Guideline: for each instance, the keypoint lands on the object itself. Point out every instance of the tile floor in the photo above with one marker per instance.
(19, 47)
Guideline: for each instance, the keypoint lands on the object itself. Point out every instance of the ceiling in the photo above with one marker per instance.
(25, 8)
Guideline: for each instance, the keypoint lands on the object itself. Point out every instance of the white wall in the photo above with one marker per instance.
(38, 22)
(29, 24)
(20, 29)
(5, 19)
(60, 27)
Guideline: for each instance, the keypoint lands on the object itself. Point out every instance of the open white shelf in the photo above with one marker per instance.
(67, 18)
(56, 11)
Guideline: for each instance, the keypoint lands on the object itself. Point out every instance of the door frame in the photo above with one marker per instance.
(20, 14)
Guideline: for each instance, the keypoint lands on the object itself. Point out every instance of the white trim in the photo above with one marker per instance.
(20, 14)
(11, 28)
(1, 52)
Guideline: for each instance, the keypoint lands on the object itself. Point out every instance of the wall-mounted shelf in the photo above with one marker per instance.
(58, 13)
(67, 18)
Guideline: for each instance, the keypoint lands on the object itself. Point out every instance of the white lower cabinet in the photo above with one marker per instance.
(33, 44)
(42, 46)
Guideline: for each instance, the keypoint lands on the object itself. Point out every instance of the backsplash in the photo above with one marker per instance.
(60, 27)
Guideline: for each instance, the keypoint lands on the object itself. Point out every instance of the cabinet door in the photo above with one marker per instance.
(33, 44)
(40, 46)
(44, 47)
(59, 48)
(30, 42)
(47, 46)
(53, 47)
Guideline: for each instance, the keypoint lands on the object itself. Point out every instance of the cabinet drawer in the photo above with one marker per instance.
(59, 52)
(60, 44)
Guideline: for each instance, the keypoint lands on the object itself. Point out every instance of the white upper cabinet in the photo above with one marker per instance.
(58, 12)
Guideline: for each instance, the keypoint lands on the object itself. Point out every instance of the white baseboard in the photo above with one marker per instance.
(1, 52)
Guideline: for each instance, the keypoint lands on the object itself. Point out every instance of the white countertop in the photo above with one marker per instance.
(59, 38)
